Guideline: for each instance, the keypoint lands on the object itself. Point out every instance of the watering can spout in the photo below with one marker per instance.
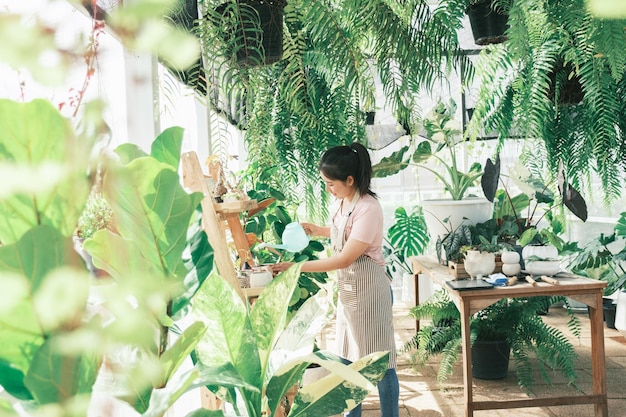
(294, 238)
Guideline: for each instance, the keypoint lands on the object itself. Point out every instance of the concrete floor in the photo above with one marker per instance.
(422, 396)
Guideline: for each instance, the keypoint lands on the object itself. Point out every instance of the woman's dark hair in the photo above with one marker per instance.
(340, 162)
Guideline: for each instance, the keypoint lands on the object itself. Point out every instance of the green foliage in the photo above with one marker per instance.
(448, 246)
(444, 133)
(552, 47)
(48, 186)
(603, 258)
(316, 96)
(266, 353)
(52, 343)
(534, 344)
(269, 225)
(407, 237)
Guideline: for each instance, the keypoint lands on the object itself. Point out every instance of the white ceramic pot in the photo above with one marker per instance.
(260, 279)
(479, 263)
(475, 210)
(542, 267)
(510, 257)
(540, 251)
(620, 312)
(511, 269)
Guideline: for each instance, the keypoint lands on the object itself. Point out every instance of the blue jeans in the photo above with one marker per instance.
(388, 394)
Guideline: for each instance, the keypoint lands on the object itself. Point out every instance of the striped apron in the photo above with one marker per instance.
(364, 315)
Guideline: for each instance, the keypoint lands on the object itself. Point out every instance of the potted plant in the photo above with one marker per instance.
(488, 19)
(550, 44)
(520, 215)
(603, 258)
(514, 322)
(443, 140)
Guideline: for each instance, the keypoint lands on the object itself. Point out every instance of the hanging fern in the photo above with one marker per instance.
(551, 46)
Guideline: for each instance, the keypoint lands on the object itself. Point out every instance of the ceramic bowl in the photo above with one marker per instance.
(543, 267)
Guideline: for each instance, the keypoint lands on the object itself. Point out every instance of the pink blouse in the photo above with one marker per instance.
(365, 224)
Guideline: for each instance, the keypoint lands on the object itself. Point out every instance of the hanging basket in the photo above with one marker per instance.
(568, 82)
(488, 25)
(256, 35)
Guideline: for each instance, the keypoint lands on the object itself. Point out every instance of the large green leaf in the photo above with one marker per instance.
(409, 234)
(333, 394)
(38, 252)
(166, 147)
(174, 356)
(36, 292)
(491, 178)
(620, 227)
(153, 210)
(269, 313)
(199, 265)
(35, 135)
(391, 164)
(54, 377)
(229, 337)
(20, 332)
(12, 380)
(296, 341)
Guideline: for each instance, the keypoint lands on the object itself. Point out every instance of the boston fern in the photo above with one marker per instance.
(525, 83)
(534, 344)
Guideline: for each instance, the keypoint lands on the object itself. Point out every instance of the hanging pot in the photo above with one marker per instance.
(255, 34)
(488, 25)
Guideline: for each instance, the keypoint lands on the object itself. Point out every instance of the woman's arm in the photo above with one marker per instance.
(351, 251)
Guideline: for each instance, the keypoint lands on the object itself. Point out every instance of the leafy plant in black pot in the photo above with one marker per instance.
(488, 19)
(603, 258)
(534, 344)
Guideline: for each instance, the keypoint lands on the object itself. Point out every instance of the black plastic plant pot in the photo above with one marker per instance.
(490, 359)
(488, 26)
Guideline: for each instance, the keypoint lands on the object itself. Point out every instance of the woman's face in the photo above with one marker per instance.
(339, 189)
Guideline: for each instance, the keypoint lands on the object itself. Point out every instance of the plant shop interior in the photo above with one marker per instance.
(161, 158)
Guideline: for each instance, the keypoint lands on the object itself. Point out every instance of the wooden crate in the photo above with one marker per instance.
(457, 270)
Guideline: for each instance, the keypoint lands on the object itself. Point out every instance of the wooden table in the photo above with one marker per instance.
(585, 290)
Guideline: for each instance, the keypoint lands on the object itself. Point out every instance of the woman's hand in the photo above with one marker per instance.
(280, 267)
(309, 228)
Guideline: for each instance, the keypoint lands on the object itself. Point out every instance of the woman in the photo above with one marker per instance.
(364, 316)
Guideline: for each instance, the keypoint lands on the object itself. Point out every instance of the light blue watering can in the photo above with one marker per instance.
(294, 239)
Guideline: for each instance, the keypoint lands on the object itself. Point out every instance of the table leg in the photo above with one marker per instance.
(467, 357)
(598, 364)
(416, 290)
